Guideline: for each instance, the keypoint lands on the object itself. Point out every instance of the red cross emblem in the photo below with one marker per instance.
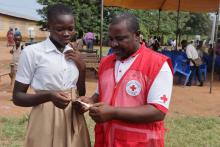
(133, 87)
(164, 98)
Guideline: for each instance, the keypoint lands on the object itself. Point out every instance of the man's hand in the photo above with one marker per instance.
(60, 99)
(101, 112)
(88, 100)
(80, 107)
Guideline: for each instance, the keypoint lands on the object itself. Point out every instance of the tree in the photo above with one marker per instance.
(198, 24)
(86, 12)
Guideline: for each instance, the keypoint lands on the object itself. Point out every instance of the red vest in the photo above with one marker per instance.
(130, 91)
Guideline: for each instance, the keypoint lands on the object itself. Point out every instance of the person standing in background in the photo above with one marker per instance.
(15, 51)
(194, 60)
(17, 32)
(10, 37)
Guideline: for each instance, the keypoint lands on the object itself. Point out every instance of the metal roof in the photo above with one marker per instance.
(18, 15)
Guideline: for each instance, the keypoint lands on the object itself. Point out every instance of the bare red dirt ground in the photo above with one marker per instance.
(186, 101)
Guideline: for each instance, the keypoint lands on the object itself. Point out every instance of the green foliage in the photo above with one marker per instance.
(198, 24)
(87, 13)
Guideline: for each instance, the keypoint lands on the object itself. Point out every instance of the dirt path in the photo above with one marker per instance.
(196, 101)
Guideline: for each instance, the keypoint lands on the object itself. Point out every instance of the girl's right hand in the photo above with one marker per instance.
(60, 99)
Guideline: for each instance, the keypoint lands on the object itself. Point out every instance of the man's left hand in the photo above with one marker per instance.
(101, 112)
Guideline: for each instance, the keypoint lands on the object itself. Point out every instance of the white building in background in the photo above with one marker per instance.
(26, 24)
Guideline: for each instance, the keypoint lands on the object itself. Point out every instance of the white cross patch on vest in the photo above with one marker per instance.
(133, 88)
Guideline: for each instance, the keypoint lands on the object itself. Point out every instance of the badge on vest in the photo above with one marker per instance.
(133, 88)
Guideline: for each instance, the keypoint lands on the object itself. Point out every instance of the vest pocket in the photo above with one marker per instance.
(135, 138)
(125, 138)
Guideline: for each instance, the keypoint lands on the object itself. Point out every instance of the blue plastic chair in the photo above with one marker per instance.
(168, 54)
(182, 68)
(110, 51)
(179, 58)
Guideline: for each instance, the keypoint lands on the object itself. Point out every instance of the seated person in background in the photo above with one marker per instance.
(195, 61)
(89, 40)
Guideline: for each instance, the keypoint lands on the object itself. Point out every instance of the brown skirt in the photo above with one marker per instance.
(50, 126)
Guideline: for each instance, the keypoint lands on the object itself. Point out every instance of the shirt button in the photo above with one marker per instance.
(119, 70)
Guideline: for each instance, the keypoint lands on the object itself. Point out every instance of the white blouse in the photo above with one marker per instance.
(44, 67)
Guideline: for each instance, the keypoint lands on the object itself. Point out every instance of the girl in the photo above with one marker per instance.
(54, 71)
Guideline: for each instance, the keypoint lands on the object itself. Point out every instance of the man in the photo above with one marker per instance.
(89, 40)
(134, 90)
(195, 61)
(54, 70)
(17, 33)
(16, 51)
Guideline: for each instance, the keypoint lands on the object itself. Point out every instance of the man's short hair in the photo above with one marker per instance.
(58, 9)
(130, 19)
(184, 42)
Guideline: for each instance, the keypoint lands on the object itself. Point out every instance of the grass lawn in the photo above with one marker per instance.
(181, 132)
(193, 132)
(12, 131)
